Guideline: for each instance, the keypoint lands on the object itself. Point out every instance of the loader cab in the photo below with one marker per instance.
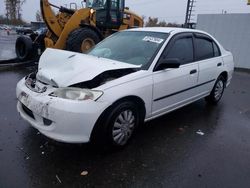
(109, 13)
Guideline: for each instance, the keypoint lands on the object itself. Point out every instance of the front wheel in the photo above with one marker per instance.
(82, 40)
(118, 125)
(217, 91)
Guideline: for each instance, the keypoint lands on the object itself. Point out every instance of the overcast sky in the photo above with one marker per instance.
(168, 10)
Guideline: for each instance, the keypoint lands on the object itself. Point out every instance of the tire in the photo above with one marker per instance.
(24, 47)
(217, 92)
(81, 40)
(117, 126)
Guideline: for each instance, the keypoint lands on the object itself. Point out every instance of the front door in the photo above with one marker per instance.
(175, 87)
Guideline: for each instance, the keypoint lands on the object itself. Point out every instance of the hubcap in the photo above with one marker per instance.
(218, 90)
(87, 44)
(123, 127)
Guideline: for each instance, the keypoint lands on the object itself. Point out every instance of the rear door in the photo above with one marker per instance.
(174, 87)
(208, 56)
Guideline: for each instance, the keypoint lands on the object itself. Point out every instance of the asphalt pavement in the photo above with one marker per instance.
(196, 146)
(7, 45)
(166, 152)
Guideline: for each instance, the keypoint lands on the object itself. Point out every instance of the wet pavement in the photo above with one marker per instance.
(7, 45)
(166, 152)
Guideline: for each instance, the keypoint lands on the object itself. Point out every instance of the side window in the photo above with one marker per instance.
(204, 49)
(114, 4)
(216, 50)
(136, 23)
(121, 5)
(182, 49)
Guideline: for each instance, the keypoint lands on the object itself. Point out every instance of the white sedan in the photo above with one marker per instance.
(129, 78)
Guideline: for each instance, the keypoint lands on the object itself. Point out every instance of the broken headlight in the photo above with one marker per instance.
(77, 94)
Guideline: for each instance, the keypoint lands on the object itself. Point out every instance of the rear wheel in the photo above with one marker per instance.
(217, 91)
(82, 40)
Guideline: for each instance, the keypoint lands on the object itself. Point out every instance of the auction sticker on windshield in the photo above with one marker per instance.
(153, 39)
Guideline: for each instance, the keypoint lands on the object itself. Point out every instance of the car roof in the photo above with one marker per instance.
(167, 29)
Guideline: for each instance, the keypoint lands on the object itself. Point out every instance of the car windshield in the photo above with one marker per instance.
(133, 47)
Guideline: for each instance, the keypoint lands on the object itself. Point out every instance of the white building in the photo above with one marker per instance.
(232, 31)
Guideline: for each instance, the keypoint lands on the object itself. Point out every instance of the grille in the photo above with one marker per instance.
(28, 111)
(47, 122)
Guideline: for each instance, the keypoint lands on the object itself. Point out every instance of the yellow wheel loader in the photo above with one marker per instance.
(77, 30)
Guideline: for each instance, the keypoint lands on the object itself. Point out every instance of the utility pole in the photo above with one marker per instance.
(190, 6)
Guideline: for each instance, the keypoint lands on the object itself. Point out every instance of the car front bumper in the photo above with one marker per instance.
(59, 119)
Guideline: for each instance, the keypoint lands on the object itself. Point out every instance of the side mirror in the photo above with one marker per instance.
(173, 63)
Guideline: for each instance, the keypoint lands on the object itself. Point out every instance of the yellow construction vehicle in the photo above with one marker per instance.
(77, 30)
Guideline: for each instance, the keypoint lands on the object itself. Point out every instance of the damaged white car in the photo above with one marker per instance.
(127, 79)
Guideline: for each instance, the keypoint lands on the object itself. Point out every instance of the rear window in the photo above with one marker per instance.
(216, 50)
(204, 49)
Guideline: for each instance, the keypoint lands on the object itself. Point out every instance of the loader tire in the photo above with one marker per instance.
(24, 47)
(82, 40)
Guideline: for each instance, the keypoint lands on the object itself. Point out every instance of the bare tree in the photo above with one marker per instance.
(13, 10)
(154, 22)
(151, 22)
(19, 15)
(39, 17)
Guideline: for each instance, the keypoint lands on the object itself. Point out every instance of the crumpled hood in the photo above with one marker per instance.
(63, 68)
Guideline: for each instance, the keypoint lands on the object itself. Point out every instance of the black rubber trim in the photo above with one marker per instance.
(193, 71)
(183, 90)
(47, 122)
(28, 111)
(219, 64)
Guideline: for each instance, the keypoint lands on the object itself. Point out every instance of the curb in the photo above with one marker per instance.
(16, 63)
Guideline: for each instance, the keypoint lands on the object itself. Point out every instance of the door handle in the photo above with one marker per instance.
(193, 71)
(219, 64)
